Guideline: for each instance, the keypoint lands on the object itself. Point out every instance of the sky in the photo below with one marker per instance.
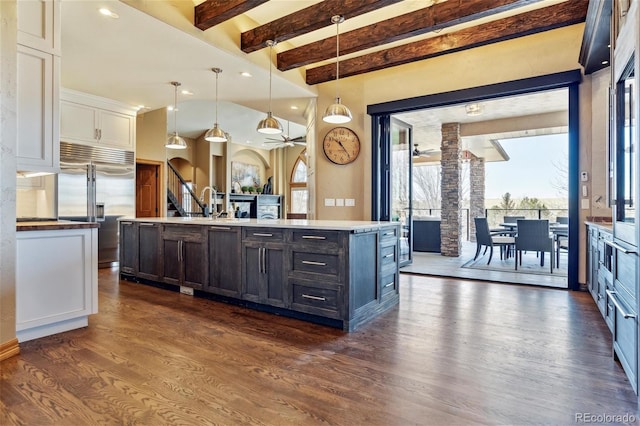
(533, 168)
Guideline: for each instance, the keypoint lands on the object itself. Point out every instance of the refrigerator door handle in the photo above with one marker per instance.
(91, 192)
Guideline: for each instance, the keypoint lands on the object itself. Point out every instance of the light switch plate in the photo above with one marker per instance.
(329, 202)
(350, 202)
(340, 202)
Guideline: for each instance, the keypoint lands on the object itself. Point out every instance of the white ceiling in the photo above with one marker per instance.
(134, 58)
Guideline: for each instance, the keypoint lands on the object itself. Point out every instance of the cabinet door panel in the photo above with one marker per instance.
(38, 25)
(37, 104)
(193, 264)
(128, 243)
(116, 129)
(275, 276)
(148, 243)
(78, 123)
(171, 272)
(252, 273)
(224, 262)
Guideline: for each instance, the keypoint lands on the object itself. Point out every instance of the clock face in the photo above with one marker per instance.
(341, 145)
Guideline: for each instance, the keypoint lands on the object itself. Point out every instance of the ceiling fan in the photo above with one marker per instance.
(423, 153)
(287, 141)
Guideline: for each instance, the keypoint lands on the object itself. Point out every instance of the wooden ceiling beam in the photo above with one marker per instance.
(212, 12)
(544, 19)
(306, 20)
(423, 21)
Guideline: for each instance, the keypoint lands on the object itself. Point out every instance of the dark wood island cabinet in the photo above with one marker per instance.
(337, 273)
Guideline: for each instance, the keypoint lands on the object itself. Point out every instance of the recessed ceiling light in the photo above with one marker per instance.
(605, 62)
(186, 92)
(106, 12)
(246, 74)
(294, 107)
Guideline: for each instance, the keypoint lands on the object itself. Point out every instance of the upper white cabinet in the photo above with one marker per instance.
(38, 85)
(39, 25)
(90, 119)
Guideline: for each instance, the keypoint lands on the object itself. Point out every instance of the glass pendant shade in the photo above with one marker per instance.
(337, 113)
(216, 134)
(269, 125)
(174, 141)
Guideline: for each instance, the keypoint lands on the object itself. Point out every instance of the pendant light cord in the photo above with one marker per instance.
(337, 55)
(175, 109)
(216, 97)
(270, 66)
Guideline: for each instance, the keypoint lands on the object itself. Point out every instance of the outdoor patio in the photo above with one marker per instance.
(531, 273)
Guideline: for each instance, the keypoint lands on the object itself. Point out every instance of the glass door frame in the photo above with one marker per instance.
(380, 131)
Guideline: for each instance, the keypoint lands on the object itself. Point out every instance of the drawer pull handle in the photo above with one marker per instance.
(126, 223)
(147, 224)
(313, 237)
(389, 233)
(619, 247)
(260, 234)
(222, 228)
(308, 296)
(612, 297)
(388, 255)
(390, 284)
(311, 262)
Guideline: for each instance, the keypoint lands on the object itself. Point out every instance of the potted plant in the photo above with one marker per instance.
(259, 190)
(251, 189)
(245, 189)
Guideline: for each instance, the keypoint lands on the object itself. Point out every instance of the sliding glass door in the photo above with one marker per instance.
(401, 181)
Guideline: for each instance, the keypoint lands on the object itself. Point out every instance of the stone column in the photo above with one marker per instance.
(477, 192)
(450, 226)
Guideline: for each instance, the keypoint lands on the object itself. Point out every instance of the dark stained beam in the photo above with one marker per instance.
(544, 19)
(423, 21)
(306, 20)
(212, 12)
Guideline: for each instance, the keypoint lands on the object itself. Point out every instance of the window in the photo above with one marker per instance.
(298, 185)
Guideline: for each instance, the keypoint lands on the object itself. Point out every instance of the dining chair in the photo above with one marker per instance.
(534, 235)
(562, 243)
(486, 239)
(511, 219)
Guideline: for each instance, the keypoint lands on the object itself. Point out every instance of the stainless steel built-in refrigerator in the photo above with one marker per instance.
(97, 184)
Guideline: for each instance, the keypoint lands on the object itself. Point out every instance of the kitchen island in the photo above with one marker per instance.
(337, 273)
(56, 276)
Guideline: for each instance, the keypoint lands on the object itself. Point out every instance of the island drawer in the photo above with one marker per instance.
(388, 255)
(183, 232)
(315, 263)
(389, 234)
(313, 299)
(389, 283)
(316, 239)
(262, 234)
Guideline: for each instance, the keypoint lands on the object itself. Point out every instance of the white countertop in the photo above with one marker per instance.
(339, 225)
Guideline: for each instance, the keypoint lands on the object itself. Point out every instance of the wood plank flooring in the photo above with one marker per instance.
(453, 352)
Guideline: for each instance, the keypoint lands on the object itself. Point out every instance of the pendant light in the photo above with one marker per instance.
(337, 113)
(216, 134)
(175, 141)
(270, 125)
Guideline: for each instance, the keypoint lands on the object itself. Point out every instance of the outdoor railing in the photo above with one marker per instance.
(496, 216)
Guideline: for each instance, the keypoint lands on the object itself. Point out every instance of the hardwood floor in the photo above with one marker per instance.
(453, 352)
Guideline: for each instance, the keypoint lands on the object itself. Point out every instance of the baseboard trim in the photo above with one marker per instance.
(9, 349)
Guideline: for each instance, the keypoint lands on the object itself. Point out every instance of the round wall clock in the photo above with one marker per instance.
(341, 145)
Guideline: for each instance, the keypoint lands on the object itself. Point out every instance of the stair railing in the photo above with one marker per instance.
(181, 195)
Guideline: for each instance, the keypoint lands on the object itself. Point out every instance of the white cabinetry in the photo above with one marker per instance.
(38, 85)
(39, 25)
(93, 120)
(56, 280)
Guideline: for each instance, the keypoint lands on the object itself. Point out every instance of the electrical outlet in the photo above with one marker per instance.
(186, 290)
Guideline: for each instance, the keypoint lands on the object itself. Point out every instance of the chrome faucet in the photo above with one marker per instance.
(215, 200)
